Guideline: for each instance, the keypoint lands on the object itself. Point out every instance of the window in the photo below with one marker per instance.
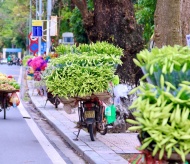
(68, 39)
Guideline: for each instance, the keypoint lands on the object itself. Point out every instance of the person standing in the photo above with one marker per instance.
(9, 60)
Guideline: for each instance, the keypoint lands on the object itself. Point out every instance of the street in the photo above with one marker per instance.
(96, 82)
(24, 141)
(13, 70)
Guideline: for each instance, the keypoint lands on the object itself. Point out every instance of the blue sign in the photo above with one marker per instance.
(37, 31)
(43, 47)
(34, 47)
(12, 49)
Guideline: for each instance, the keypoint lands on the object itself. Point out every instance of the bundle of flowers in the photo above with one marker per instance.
(162, 105)
(37, 63)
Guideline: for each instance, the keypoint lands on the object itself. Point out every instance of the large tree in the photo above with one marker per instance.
(172, 22)
(114, 21)
(13, 20)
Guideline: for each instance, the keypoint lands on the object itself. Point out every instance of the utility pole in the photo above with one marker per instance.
(36, 9)
(27, 39)
(48, 41)
(30, 22)
(40, 18)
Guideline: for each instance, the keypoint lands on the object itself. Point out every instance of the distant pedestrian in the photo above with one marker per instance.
(10, 60)
(18, 61)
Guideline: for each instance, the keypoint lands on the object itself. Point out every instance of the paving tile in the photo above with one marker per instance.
(125, 141)
(117, 150)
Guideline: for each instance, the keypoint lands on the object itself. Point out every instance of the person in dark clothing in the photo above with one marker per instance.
(18, 61)
(10, 60)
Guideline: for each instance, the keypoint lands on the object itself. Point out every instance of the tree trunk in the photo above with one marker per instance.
(114, 21)
(172, 22)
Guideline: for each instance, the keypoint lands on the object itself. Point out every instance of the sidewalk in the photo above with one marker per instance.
(106, 148)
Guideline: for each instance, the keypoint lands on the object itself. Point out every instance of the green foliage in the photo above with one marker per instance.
(145, 16)
(98, 48)
(90, 4)
(86, 70)
(77, 27)
(65, 23)
(25, 59)
(72, 21)
(168, 63)
(164, 101)
(134, 1)
(163, 119)
(14, 15)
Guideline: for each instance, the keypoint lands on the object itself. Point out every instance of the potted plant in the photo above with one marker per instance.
(163, 103)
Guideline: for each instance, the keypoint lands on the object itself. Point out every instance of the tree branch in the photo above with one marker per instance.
(82, 6)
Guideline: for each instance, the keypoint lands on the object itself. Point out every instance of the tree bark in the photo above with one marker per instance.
(172, 22)
(114, 21)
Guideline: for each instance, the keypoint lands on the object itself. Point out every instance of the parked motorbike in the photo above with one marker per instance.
(92, 117)
(53, 99)
(12, 62)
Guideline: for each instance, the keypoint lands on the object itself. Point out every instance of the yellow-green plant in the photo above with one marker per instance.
(171, 62)
(87, 71)
(163, 115)
(26, 58)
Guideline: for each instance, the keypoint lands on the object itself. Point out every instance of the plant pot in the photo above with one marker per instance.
(175, 157)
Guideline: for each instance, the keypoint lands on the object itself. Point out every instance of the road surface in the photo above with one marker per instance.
(21, 139)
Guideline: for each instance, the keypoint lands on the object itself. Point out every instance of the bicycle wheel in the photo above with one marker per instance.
(92, 131)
